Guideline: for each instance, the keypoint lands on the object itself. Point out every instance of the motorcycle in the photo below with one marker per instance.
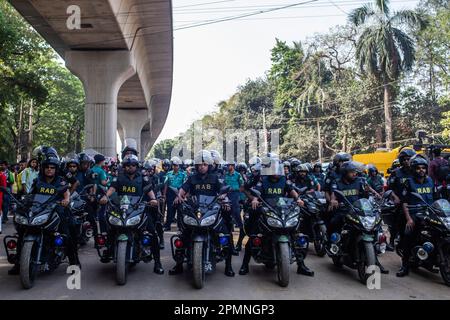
(280, 243)
(78, 203)
(204, 242)
(313, 223)
(127, 241)
(432, 246)
(42, 248)
(361, 237)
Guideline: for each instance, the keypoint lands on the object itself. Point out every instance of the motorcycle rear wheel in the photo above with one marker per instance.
(444, 267)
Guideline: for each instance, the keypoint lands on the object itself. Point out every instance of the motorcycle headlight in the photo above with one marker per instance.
(40, 219)
(208, 221)
(445, 221)
(274, 223)
(368, 222)
(133, 221)
(20, 219)
(115, 221)
(190, 221)
(292, 222)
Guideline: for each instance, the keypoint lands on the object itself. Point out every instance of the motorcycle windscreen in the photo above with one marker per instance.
(365, 207)
(39, 200)
(279, 203)
(442, 207)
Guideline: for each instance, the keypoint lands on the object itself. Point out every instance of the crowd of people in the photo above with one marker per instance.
(207, 172)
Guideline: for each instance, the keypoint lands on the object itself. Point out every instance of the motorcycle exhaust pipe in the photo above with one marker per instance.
(422, 254)
(334, 249)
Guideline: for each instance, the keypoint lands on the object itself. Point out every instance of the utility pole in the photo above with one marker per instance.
(266, 150)
(30, 128)
(319, 141)
(20, 132)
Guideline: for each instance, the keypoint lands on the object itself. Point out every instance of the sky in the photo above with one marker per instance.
(211, 61)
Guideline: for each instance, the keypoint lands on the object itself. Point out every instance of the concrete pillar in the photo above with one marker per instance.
(145, 142)
(102, 74)
(132, 122)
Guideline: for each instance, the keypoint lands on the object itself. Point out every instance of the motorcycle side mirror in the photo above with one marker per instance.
(387, 194)
(225, 189)
(147, 189)
(342, 196)
(63, 189)
(87, 187)
(302, 190)
(255, 193)
(417, 196)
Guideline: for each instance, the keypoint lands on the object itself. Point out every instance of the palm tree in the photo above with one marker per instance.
(384, 48)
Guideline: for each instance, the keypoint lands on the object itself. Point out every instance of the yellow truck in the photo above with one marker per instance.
(383, 158)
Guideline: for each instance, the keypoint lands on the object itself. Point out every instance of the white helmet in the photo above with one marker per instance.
(203, 156)
(176, 161)
(217, 158)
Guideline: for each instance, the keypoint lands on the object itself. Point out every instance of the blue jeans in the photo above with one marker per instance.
(171, 210)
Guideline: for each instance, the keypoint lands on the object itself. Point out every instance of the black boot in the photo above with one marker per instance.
(303, 269)
(161, 243)
(404, 270)
(158, 269)
(15, 270)
(241, 238)
(244, 269)
(229, 269)
(176, 270)
(382, 269)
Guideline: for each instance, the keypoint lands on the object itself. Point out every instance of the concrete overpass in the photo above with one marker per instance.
(123, 54)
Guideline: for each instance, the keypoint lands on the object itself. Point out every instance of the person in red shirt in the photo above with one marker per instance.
(2, 184)
(437, 167)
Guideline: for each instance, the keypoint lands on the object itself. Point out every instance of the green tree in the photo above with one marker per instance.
(384, 50)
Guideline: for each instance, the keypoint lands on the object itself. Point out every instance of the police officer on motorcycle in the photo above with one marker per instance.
(273, 184)
(203, 182)
(354, 188)
(419, 182)
(131, 182)
(48, 183)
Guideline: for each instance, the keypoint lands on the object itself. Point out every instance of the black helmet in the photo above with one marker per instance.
(341, 157)
(83, 157)
(128, 149)
(51, 160)
(149, 164)
(418, 160)
(406, 153)
(166, 163)
(130, 159)
(372, 169)
(295, 165)
(73, 160)
(348, 166)
(43, 152)
(318, 165)
(242, 167)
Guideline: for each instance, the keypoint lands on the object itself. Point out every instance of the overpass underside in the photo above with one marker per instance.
(122, 51)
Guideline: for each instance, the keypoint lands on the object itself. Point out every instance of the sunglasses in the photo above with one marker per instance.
(422, 168)
(51, 168)
(73, 166)
(130, 165)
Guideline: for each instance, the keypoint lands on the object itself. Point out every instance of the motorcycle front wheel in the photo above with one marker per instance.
(122, 265)
(28, 268)
(283, 263)
(367, 258)
(198, 265)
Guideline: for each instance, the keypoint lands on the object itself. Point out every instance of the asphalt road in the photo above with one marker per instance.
(329, 282)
